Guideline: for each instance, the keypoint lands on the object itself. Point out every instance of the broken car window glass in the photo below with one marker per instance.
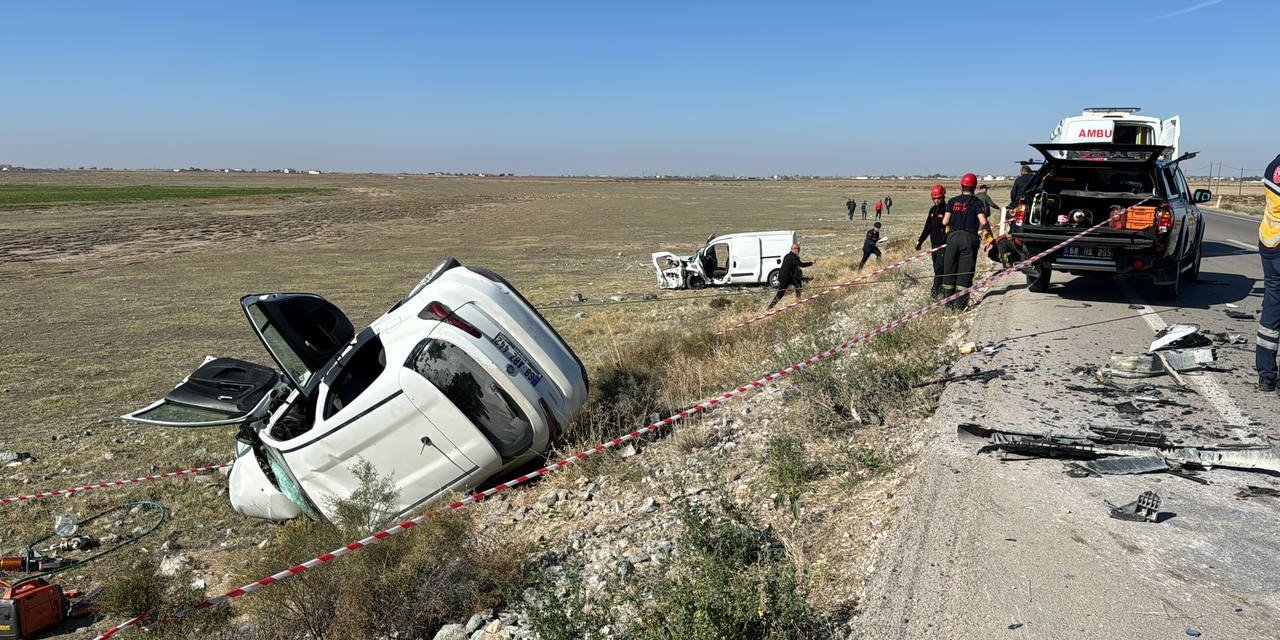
(173, 412)
(280, 348)
(359, 370)
(476, 394)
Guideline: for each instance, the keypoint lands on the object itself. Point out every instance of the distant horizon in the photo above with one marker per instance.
(572, 88)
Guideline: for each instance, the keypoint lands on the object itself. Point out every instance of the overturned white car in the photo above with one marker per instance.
(736, 258)
(461, 380)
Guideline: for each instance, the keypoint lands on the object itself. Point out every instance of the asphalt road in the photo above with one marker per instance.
(992, 548)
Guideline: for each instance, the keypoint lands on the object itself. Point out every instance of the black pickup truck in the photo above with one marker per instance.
(1079, 185)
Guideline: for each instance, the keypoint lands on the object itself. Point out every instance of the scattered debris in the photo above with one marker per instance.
(968, 348)
(1129, 408)
(1238, 315)
(1137, 307)
(1250, 491)
(1014, 626)
(577, 297)
(1111, 442)
(13, 456)
(991, 349)
(981, 376)
(1226, 337)
(720, 303)
(1126, 466)
(1149, 365)
(1194, 633)
(1178, 336)
(1125, 435)
(1145, 509)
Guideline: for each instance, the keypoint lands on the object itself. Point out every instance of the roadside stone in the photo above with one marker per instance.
(450, 632)
(477, 621)
(171, 565)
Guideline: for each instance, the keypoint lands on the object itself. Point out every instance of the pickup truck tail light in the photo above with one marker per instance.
(440, 311)
(1164, 219)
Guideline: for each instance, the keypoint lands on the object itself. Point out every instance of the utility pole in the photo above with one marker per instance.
(1240, 190)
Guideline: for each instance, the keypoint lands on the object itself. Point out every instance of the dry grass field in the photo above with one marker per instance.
(109, 304)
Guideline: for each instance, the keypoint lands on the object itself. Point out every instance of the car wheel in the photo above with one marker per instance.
(1193, 274)
(773, 278)
(1040, 283)
(695, 282)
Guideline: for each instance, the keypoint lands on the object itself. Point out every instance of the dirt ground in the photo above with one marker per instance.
(108, 306)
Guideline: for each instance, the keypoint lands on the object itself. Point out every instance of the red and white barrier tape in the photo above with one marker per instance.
(701, 407)
(110, 484)
(834, 287)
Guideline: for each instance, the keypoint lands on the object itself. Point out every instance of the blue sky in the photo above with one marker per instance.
(621, 88)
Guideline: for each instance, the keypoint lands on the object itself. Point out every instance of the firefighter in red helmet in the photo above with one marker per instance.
(936, 234)
(965, 215)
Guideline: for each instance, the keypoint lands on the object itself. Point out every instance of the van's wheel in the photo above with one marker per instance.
(695, 281)
(773, 278)
(1039, 283)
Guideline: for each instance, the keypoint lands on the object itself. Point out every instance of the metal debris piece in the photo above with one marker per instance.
(1145, 509)
(1258, 459)
(1178, 336)
(981, 376)
(1126, 466)
(1238, 315)
(1250, 491)
(1136, 306)
(1148, 365)
(1125, 435)
(1129, 408)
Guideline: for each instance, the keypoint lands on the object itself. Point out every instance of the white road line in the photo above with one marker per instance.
(1242, 245)
(1204, 383)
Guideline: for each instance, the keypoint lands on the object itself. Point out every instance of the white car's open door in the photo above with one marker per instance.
(222, 391)
(301, 331)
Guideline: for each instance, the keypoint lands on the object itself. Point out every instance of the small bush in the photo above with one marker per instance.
(735, 582)
(407, 585)
(785, 463)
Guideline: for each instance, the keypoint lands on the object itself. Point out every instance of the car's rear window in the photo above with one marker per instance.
(475, 393)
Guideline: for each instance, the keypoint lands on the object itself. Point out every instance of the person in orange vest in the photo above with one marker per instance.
(1269, 250)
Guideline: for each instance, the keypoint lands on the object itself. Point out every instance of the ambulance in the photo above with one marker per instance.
(1121, 125)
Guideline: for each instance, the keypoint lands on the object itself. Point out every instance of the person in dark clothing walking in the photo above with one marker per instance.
(1268, 337)
(888, 205)
(1020, 186)
(879, 208)
(992, 208)
(965, 215)
(936, 232)
(790, 274)
(849, 206)
(869, 247)
(864, 209)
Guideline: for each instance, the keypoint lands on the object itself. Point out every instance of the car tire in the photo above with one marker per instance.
(773, 278)
(1193, 274)
(1040, 282)
(695, 282)
(1169, 292)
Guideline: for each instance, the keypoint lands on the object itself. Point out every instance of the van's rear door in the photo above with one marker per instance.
(1170, 131)
(744, 261)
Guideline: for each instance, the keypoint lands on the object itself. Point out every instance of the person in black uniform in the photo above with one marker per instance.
(1019, 186)
(850, 206)
(869, 247)
(936, 233)
(790, 274)
(888, 205)
(965, 215)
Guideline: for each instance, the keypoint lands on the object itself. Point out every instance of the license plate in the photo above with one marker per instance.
(517, 362)
(1101, 253)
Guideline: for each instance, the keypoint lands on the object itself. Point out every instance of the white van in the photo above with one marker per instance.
(1121, 125)
(736, 258)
